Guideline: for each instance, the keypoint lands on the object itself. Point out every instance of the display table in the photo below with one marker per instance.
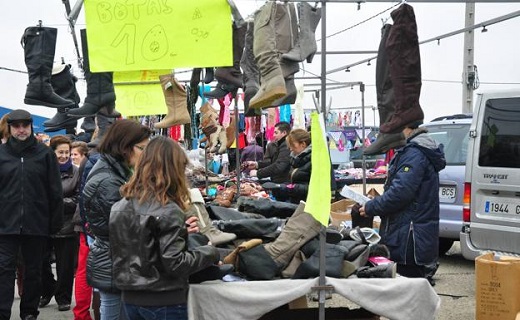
(399, 298)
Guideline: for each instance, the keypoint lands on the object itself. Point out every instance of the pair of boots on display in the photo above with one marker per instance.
(57, 89)
(398, 80)
(277, 52)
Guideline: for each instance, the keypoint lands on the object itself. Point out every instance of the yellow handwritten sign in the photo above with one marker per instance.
(140, 99)
(318, 198)
(158, 34)
(139, 93)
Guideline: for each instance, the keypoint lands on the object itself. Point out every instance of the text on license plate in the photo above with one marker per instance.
(501, 207)
(447, 192)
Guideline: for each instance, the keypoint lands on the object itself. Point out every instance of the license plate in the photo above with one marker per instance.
(504, 207)
(447, 193)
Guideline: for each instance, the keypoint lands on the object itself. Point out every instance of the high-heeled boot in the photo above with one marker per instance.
(306, 46)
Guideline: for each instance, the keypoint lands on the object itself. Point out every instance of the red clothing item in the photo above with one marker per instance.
(82, 291)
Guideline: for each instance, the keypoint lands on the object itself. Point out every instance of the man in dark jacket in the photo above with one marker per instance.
(32, 209)
(409, 206)
(277, 161)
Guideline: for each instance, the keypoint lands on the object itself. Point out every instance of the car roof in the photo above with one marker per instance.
(451, 119)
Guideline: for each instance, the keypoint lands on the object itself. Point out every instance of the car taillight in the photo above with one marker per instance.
(466, 203)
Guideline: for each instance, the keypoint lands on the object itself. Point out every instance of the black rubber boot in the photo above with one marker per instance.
(64, 84)
(39, 45)
(100, 89)
(88, 125)
(220, 91)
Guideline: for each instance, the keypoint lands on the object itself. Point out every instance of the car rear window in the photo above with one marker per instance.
(500, 134)
(455, 139)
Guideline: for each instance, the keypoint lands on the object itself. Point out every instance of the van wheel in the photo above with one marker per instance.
(444, 245)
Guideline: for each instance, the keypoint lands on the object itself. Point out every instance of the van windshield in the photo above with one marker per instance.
(455, 138)
(500, 134)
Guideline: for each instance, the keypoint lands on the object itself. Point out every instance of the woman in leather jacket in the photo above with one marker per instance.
(149, 238)
(119, 150)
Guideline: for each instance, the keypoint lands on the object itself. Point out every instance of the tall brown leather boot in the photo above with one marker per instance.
(385, 101)
(404, 59)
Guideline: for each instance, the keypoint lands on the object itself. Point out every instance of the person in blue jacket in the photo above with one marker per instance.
(409, 206)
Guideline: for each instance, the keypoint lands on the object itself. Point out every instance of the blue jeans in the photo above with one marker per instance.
(173, 312)
(110, 307)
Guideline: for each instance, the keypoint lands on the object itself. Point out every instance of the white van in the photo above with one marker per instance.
(491, 208)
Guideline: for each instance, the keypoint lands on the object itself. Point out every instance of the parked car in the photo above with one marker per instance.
(492, 180)
(453, 132)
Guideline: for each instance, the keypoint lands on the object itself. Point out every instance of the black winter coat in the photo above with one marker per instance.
(70, 181)
(31, 194)
(409, 207)
(276, 165)
(101, 191)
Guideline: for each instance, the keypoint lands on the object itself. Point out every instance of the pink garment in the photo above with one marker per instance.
(273, 117)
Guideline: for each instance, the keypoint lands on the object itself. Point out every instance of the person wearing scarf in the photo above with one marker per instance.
(66, 242)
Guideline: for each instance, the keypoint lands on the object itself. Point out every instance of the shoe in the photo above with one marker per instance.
(332, 236)
(64, 307)
(29, 317)
(381, 271)
(213, 272)
(44, 301)
(271, 185)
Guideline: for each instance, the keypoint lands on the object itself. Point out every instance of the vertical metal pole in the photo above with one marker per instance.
(363, 136)
(321, 292)
(237, 153)
(468, 59)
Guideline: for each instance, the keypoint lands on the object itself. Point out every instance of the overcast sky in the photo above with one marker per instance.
(496, 51)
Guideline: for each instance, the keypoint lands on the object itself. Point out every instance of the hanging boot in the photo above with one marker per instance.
(221, 90)
(102, 124)
(215, 236)
(39, 44)
(283, 45)
(100, 89)
(306, 47)
(404, 60)
(88, 125)
(300, 228)
(233, 75)
(64, 84)
(176, 101)
(251, 74)
(272, 84)
(385, 101)
(209, 76)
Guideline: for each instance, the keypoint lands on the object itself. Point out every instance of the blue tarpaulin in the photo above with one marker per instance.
(37, 122)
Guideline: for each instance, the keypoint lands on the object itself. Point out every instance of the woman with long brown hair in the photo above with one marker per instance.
(148, 236)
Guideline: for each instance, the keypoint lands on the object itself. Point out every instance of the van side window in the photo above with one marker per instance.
(500, 134)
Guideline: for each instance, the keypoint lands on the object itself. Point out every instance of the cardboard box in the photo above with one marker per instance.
(497, 287)
(340, 211)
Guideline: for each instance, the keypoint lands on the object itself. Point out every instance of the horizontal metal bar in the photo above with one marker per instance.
(349, 52)
(438, 38)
